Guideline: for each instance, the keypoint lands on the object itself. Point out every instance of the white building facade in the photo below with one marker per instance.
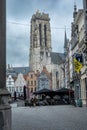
(19, 85)
(10, 85)
(41, 49)
(79, 46)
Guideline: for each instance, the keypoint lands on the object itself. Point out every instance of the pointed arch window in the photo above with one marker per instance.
(57, 74)
(40, 34)
(45, 38)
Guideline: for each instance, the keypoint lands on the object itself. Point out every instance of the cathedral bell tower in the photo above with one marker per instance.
(40, 42)
(85, 19)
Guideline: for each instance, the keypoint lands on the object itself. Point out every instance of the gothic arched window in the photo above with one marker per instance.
(57, 74)
(45, 39)
(40, 34)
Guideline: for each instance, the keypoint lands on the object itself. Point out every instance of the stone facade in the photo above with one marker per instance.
(40, 48)
(10, 85)
(78, 45)
(44, 80)
(19, 85)
(31, 83)
(40, 42)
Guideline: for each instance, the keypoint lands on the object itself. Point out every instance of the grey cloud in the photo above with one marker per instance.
(17, 52)
(18, 35)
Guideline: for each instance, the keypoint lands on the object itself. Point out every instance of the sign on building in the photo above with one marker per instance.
(78, 60)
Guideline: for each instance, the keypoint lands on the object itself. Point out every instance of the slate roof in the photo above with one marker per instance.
(57, 58)
(14, 71)
(23, 70)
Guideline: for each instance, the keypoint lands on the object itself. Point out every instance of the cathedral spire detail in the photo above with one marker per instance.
(75, 10)
(65, 39)
(65, 42)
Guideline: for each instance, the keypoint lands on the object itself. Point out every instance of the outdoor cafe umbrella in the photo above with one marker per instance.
(44, 91)
(63, 91)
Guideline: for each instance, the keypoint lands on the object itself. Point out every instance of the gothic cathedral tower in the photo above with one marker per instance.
(40, 42)
(85, 19)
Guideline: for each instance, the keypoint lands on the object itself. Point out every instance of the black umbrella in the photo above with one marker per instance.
(44, 91)
(64, 91)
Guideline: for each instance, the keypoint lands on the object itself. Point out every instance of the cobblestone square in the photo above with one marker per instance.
(49, 118)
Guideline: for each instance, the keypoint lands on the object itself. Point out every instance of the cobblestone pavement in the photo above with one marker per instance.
(49, 118)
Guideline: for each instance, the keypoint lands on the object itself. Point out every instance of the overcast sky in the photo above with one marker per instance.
(19, 13)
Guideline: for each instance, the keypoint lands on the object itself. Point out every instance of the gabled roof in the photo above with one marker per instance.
(14, 71)
(57, 58)
(44, 71)
(23, 70)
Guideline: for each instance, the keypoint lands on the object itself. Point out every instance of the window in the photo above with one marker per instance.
(40, 34)
(57, 74)
(31, 83)
(41, 55)
(28, 83)
(9, 82)
(35, 83)
(31, 90)
(35, 89)
(17, 89)
(20, 89)
(10, 89)
(31, 75)
(45, 35)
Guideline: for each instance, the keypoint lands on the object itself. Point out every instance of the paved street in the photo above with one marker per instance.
(49, 118)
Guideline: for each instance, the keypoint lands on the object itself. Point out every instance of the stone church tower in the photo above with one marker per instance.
(40, 42)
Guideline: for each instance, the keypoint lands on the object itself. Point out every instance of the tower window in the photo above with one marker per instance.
(45, 35)
(41, 55)
(57, 74)
(40, 34)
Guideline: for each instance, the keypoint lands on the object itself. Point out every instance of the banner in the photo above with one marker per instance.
(78, 63)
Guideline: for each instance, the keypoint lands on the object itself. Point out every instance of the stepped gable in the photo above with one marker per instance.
(37, 73)
(46, 72)
(25, 76)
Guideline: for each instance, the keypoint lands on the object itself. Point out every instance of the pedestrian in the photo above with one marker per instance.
(32, 101)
